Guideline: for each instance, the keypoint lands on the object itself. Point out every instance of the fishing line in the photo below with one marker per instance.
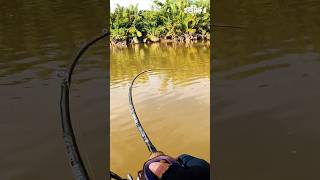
(227, 26)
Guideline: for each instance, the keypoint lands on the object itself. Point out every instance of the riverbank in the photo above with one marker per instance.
(181, 21)
(187, 39)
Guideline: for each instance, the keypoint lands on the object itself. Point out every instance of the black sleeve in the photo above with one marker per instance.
(176, 172)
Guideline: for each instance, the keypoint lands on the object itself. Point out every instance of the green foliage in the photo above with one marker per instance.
(167, 20)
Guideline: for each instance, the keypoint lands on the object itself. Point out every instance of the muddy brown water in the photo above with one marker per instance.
(172, 102)
(267, 90)
(38, 40)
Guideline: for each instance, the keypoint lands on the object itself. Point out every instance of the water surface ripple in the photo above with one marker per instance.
(38, 40)
(267, 90)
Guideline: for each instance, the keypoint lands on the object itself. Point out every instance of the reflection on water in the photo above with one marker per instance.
(172, 102)
(38, 39)
(266, 90)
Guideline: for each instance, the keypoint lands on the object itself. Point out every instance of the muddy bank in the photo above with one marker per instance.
(176, 39)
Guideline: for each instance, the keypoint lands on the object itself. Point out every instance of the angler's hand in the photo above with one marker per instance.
(193, 169)
(159, 168)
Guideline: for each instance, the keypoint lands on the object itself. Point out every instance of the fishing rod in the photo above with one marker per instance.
(73, 153)
(134, 115)
(156, 156)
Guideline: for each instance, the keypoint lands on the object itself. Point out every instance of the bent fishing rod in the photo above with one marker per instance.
(156, 156)
(73, 153)
(134, 115)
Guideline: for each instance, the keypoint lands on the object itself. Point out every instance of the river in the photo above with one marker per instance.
(266, 90)
(172, 102)
(39, 39)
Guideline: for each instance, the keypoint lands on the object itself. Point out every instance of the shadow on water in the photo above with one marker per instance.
(37, 41)
(266, 90)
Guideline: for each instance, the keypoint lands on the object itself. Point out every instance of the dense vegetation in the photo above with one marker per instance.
(166, 21)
